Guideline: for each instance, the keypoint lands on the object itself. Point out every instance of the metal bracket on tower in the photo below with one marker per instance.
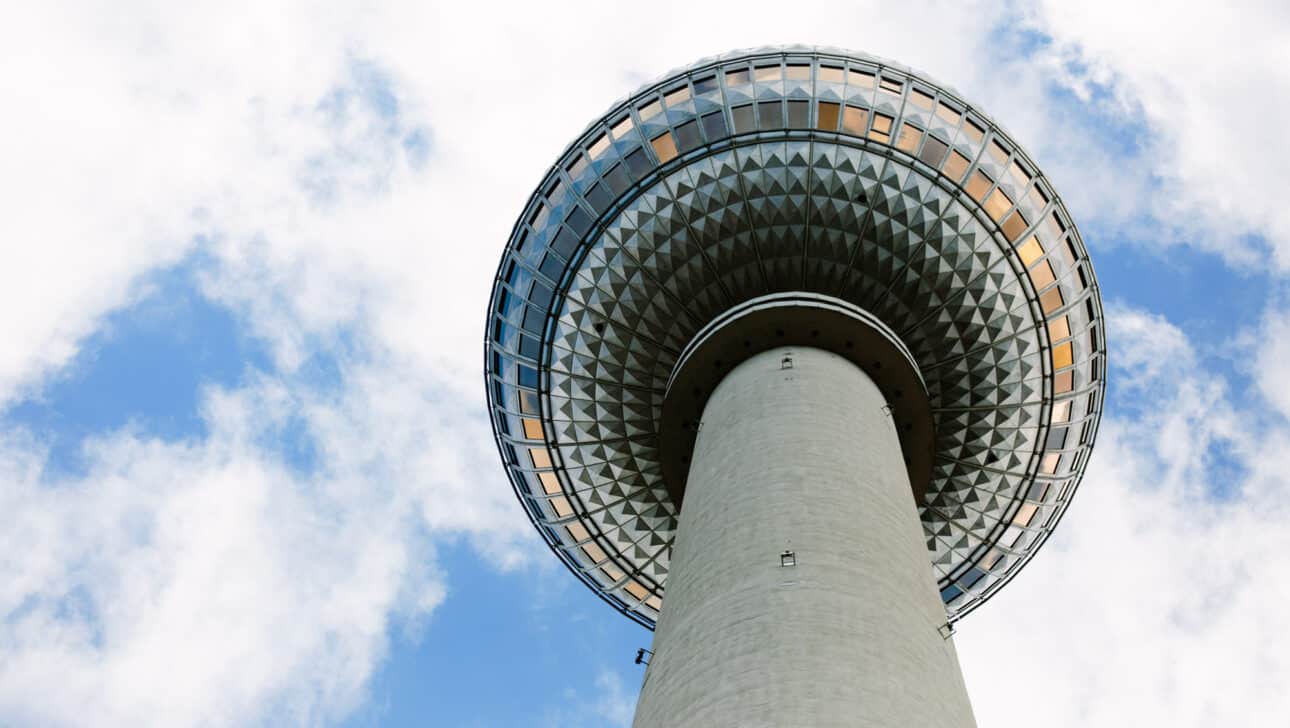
(947, 630)
(640, 656)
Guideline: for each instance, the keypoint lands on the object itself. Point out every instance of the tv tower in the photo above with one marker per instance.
(795, 357)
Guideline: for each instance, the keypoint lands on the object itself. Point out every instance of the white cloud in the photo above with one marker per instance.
(217, 582)
(1158, 601)
(1207, 84)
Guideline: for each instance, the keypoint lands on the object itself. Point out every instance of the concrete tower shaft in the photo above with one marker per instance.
(798, 453)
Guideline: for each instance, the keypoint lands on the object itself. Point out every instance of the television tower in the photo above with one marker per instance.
(795, 357)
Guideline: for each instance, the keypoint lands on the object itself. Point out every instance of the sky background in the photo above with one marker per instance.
(246, 473)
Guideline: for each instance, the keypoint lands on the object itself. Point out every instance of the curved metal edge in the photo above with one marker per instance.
(794, 319)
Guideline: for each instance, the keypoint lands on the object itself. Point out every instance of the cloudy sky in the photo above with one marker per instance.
(246, 475)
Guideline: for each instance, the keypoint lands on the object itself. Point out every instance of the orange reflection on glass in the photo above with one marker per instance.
(664, 147)
(881, 128)
(974, 132)
(997, 152)
(1042, 276)
(654, 603)
(540, 457)
(623, 127)
(577, 532)
(636, 590)
(979, 185)
(921, 100)
(594, 552)
(533, 429)
(998, 204)
(910, 136)
(1014, 226)
(799, 73)
(1052, 300)
(550, 483)
(854, 120)
(955, 165)
(767, 73)
(831, 74)
(599, 146)
(561, 506)
(1049, 464)
(650, 110)
(859, 79)
(828, 116)
(679, 95)
(1059, 329)
(1030, 251)
(1063, 355)
(947, 114)
(1064, 382)
(1025, 514)
(612, 573)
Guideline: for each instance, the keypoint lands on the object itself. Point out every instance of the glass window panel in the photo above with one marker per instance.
(636, 590)
(979, 185)
(687, 135)
(933, 151)
(1052, 300)
(1025, 514)
(1061, 412)
(612, 573)
(799, 73)
(744, 119)
(1063, 355)
(540, 457)
(617, 179)
(769, 114)
(1019, 174)
(1064, 382)
(767, 73)
(921, 100)
(859, 79)
(528, 402)
(855, 120)
(623, 127)
(1056, 438)
(736, 78)
(530, 348)
(891, 85)
(956, 165)
(705, 85)
(828, 116)
(1014, 226)
(533, 429)
(1059, 329)
(637, 163)
(550, 482)
(528, 376)
(1049, 464)
(561, 506)
(832, 74)
(598, 146)
(998, 152)
(973, 131)
(881, 128)
(654, 603)
(1037, 197)
(910, 135)
(1042, 276)
(577, 532)
(594, 552)
(948, 114)
(1030, 251)
(677, 96)
(799, 114)
(997, 204)
(650, 110)
(664, 146)
(714, 126)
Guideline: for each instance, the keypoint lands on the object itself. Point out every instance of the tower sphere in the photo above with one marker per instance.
(794, 196)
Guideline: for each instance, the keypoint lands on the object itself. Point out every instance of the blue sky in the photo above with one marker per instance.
(244, 456)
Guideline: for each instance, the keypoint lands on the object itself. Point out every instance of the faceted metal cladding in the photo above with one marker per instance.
(780, 170)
